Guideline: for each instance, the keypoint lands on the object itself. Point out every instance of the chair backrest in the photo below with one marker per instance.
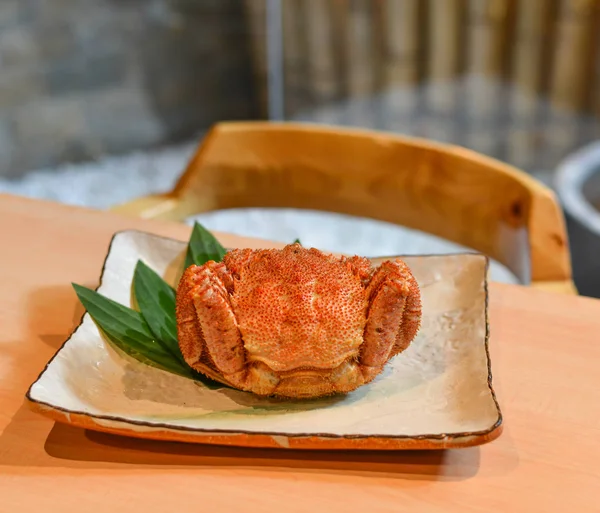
(444, 190)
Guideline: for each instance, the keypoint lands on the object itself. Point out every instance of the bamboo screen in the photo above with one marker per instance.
(515, 79)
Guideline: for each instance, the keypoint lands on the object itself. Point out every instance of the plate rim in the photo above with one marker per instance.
(61, 414)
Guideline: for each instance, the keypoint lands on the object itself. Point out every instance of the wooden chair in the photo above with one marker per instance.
(444, 190)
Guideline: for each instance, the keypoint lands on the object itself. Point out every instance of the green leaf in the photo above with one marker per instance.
(128, 330)
(168, 363)
(156, 300)
(202, 247)
(297, 241)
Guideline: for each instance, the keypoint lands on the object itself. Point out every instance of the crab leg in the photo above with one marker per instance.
(217, 349)
(208, 332)
(393, 317)
(191, 341)
(411, 320)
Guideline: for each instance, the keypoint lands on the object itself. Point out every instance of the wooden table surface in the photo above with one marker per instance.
(545, 354)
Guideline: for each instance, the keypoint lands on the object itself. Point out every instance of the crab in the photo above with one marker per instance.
(295, 322)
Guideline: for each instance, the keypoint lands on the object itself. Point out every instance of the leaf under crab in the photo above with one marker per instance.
(202, 247)
(156, 301)
(129, 331)
(150, 335)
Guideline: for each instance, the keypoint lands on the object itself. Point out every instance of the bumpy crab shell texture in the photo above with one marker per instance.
(295, 322)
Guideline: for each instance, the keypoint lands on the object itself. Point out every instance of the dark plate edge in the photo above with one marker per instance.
(451, 436)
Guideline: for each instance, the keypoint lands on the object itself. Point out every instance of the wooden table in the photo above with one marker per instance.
(546, 357)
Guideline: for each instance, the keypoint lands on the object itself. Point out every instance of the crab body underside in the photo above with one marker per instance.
(295, 322)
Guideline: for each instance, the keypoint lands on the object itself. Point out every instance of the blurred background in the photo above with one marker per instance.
(103, 101)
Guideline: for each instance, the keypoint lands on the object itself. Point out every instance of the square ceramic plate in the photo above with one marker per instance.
(436, 394)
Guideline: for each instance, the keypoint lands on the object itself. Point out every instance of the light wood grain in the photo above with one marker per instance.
(445, 190)
(401, 41)
(544, 351)
(444, 53)
(295, 58)
(323, 60)
(573, 59)
(532, 35)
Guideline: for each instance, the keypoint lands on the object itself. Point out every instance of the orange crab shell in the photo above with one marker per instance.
(295, 322)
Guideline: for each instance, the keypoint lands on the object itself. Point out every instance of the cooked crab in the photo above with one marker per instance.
(295, 322)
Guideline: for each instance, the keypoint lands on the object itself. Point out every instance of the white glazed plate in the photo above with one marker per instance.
(436, 394)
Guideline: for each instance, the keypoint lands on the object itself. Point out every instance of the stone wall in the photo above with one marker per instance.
(83, 78)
